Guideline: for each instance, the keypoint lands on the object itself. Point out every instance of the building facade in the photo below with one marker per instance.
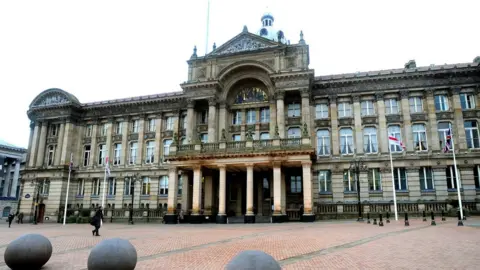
(256, 135)
(12, 161)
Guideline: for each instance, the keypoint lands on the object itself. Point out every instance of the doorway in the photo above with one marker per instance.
(41, 213)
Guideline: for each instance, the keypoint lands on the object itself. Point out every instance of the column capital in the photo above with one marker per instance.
(33, 124)
(279, 95)
(277, 164)
(212, 101)
(332, 98)
(379, 96)
(249, 165)
(305, 93)
(456, 90)
(223, 104)
(172, 170)
(222, 166)
(190, 103)
(356, 98)
(306, 164)
(272, 99)
(197, 167)
(404, 94)
(429, 92)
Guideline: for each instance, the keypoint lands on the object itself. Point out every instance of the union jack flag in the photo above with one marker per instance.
(448, 141)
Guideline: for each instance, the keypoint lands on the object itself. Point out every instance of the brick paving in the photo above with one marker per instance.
(319, 245)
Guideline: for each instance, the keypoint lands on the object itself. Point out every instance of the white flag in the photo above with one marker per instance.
(107, 167)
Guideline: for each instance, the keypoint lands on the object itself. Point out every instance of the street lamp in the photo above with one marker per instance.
(357, 166)
(36, 185)
(133, 179)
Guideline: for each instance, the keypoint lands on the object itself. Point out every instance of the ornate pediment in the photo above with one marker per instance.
(243, 43)
(53, 97)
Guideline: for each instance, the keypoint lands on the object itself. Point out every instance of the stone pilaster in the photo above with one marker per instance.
(222, 190)
(222, 120)
(197, 190)
(94, 146)
(190, 121)
(67, 143)
(281, 113)
(273, 116)
(16, 174)
(33, 149)
(172, 190)
(30, 140)
(334, 121)
(305, 94)
(108, 142)
(407, 122)
(277, 189)
(468, 182)
(440, 181)
(458, 127)
(158, 139)
(141, 129)
(364, 186)
(41, 145)
(358, 133)
(432, 131)
(337, 185)
(78, 153)
(212, 120)
(7, 180)
(125, 146)
(284, 194)
(382, 124)
(413, 179)
(58, 151)
(249, 189)
(208, 185)
(387, 184)
(307, 188)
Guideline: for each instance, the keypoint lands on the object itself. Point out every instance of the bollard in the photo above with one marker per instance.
(380, 223)
(443, 215)
(406, 220)
(388, 217)
(460, 222)
(424, 216)
(374, 221)
(433, 219)
(368, 218)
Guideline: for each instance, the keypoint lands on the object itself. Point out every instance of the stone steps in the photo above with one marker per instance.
(241, 219)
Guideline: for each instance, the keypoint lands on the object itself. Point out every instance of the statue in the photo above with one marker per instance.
(249, 135)
(175, 140)
(224, 136)
(276, 135)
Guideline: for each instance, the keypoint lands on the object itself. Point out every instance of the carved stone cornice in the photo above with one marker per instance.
(404, 94)
(356, 98)
(332, 99)
(455, 90)
(379, 96)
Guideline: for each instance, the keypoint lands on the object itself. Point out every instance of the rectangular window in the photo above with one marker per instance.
(88, 131)
(135, 124)
(264, 136)
(392, 106)
(370, 144)
(443, 128)
(133, 153)
(96, 187)
(346, 141)
(204, 117)
(81, 187)
(183, 121)
(127, 190)
(374, 179)
(323, 142)
(53, 130)
(86, 155)
(118, 128)
(102, 153)
(237, 118)
(321, 111)
(51, 155)
(294, 133)
(166, 147)
(163, 185)
(467, 100)
(251, 116)
(117, 153)
(349, 181)
(169, 123)
(151, 125)
(441, 103)
(416, 105)
(325, 181)
(367, 108)
(476, 176)
(294, 110)
(451, 177)
(112, 187)
(150, 153)
(180, 185)
(419, 137)
(146, 186)
(204, 137)
(400, 177)
(45, 187)
(265, 115)
(344, 109)
(236, 137)
(295, 184)
(103, 129)
(394, 131)
(426, 178)
(471, 134)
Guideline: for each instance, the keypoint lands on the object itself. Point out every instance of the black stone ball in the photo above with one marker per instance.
(253, 259)
(29, 251)
(113, 254)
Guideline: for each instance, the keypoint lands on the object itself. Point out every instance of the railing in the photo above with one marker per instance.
(210, 147)
(186, 147)
(291, 142)
(236, 145)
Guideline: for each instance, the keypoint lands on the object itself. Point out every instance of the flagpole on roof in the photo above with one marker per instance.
(457, 178)
(208, 26)
(393, 182)
(68, 189)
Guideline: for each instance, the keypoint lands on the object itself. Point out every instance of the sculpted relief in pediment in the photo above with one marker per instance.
(244, 43)
(52, 99)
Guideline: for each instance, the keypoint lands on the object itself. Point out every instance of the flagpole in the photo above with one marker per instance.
(393, 184)
(68, 187)
(457, 178)
(104, 187)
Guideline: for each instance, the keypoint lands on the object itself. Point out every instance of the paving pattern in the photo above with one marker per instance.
(319, 245)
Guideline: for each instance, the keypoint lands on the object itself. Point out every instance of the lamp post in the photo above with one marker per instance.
(357, 166)
(133, 179)
(36, 185)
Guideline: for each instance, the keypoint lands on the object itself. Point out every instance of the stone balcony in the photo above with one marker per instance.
(271, 147)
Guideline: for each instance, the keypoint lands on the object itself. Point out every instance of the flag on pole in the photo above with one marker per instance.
(396, 141)
(448, 141)
(107, 167)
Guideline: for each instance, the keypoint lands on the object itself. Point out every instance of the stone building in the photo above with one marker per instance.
(256, 135)
(12, 161)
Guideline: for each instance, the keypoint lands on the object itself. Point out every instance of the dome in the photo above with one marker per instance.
(268, 31)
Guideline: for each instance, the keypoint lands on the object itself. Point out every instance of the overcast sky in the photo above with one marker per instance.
(101, 50)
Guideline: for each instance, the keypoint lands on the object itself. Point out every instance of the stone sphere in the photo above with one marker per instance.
(113, 254)
(253, 259)
(29, 251)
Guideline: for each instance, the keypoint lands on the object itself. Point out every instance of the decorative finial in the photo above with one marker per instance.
(302, 41)
(214, 46)
(194, 55)
(245, 29)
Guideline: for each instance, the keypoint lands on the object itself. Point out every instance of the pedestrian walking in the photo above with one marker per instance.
(20, 218)
(10, 219)
(97, 218)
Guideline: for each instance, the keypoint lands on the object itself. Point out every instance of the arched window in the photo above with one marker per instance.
(251, 95)
(6, 211)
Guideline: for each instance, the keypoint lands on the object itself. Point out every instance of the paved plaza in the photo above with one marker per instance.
(319, 245)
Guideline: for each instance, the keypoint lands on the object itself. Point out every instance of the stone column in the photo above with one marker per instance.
(432, 131)
(249, 217)
(308, 215)
(277, 193)
(305, 93)
(41, 145)
(190, 121)
(439, 178)
(280, 95)
(93, 146)
(212, 120)
(222, 120)
(16, 174)
(273, 116)
(33, 149)
(171, 217)
(185, 192)
(284, 194)
(197, 191)
(141, 128)
(6, 180)
(67, 143)
(125, 150)
(208, 185)
(222, 217)
(60, 138)
(357, 115)
(30, 139)
(407, 122)
(334, 122)
(382, 124)
(459, 137)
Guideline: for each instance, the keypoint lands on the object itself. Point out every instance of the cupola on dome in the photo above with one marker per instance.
(268, 31)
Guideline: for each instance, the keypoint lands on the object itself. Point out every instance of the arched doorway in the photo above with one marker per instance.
(41, 213)
(6, 211)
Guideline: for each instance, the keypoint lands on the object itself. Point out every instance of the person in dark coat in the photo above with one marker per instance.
(96, 221)
(10, 219)
(20, 218)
